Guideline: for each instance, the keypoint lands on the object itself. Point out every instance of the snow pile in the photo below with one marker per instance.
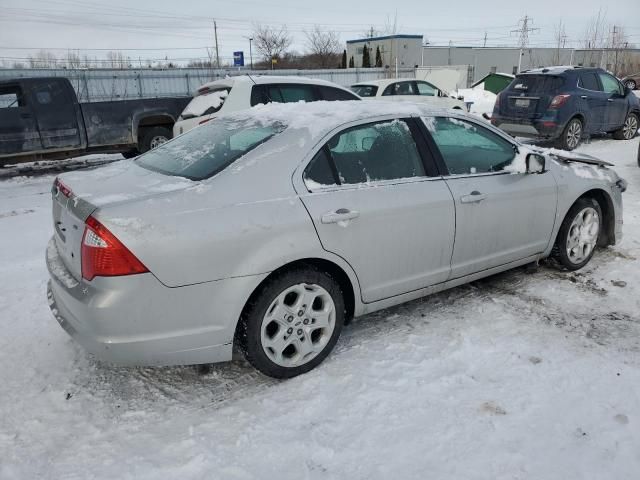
(483, 100)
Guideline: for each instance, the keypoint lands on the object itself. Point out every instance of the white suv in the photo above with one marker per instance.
(242, 92)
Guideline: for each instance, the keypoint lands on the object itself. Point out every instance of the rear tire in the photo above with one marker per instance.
(628, 129)
(291, 325)
(579, 234)
(153, 137)
(571, 135)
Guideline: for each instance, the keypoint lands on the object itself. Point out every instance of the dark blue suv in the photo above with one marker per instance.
(564, 104)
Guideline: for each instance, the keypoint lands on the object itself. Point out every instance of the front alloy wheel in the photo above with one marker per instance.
(579, 234)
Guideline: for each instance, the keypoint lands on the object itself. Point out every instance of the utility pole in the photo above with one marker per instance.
(215, 33)
(523, 35)
(251, 52)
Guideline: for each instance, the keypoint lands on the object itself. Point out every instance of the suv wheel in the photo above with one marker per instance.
(571, 135)
(631, 84)
(628, 129)
(293, 323)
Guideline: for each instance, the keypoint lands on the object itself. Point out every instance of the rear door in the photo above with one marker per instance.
(57, 114)
(593, 101)
(616, 111)
(501, 217)
(376, 202)
(18, 129)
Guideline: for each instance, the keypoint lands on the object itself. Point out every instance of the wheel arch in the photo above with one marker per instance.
(150, 119)
(608, 213)
(345, 282)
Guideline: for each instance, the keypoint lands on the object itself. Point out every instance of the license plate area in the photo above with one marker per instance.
(522, 102)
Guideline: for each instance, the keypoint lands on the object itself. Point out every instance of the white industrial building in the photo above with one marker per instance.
(406, 49)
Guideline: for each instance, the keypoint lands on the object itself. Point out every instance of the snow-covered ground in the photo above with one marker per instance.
(519, 376)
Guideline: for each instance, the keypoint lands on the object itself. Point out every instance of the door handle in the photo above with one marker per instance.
(584, 97)
(609, 99)
(473, 197)
(340, 215)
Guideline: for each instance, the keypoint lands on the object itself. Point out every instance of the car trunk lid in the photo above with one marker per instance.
(77, 195)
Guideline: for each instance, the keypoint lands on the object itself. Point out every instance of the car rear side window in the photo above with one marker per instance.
(332, 94)
(205, 151)
(319, 172)
(205, 103)
(589, 81)
(401, 88)
(467, 148)
(536, 84)
(11, 97)
(282, 93)
(365, 90)
(374, 152)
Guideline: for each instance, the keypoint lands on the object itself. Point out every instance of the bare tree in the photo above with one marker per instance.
(324, 45)
(42, 59)
(72, 60)
(271, 42)
(594, 36)
(560, 38)
(116, 59)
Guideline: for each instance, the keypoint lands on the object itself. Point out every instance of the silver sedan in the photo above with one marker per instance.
(269, 228)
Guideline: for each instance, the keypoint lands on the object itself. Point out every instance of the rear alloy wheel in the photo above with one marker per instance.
(628, 129)
(293, 324)
(579, 234)
(630, 84)
(571, 135)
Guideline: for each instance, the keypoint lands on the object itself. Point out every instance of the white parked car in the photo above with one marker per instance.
(239, 93)
(407, 89)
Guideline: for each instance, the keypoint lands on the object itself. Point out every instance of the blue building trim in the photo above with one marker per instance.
(386, 37)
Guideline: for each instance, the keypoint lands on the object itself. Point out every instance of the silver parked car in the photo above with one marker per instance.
(270, 227)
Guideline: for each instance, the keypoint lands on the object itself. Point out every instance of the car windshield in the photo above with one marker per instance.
(536, 83)
(365, 90)
(205, 104)
(207, 150)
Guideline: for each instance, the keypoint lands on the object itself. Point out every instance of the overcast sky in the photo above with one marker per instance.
(182, 29)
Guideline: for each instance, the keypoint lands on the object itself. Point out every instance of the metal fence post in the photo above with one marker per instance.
(139, 84)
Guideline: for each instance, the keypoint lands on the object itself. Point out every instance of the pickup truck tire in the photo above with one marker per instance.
(152, 137)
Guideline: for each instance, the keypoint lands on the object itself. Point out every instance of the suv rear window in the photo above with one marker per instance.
(533, 84)
(365, 90)
(205, 104)
(205, 151)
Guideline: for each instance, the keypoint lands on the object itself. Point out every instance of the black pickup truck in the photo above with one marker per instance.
(41, 118)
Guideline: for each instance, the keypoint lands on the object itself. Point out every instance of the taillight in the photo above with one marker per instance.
(103, 255)
(62, 188)
(559, 100)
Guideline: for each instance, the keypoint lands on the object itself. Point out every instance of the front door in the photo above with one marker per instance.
(617, 102)
(501, 217)
(18, 130)
(374, 204)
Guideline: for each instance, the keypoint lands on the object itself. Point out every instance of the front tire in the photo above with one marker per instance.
(579, 234)
(630, 84)
(629, 128)
(291, 325)
(571, 135)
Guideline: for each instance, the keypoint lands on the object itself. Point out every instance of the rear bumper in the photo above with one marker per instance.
(136, 320)
(518, 127)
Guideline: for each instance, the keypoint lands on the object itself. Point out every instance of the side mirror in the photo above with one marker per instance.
(535, 163)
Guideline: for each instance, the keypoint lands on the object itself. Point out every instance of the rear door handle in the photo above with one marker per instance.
(473, 197)
(340, 215)
(584, 97)
(609, 99)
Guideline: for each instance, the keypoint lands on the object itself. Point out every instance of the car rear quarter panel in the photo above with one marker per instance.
(247, 220)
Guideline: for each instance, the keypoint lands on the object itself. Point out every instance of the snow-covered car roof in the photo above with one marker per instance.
(265, 79)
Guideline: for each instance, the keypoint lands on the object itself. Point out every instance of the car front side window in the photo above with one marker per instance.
(426, 89)
(467, 148)
(375, 152)
(610, 84)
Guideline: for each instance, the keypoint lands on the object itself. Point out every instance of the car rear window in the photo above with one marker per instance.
(365, 90)
(207, 150)
(532, 84)
(205, 104)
